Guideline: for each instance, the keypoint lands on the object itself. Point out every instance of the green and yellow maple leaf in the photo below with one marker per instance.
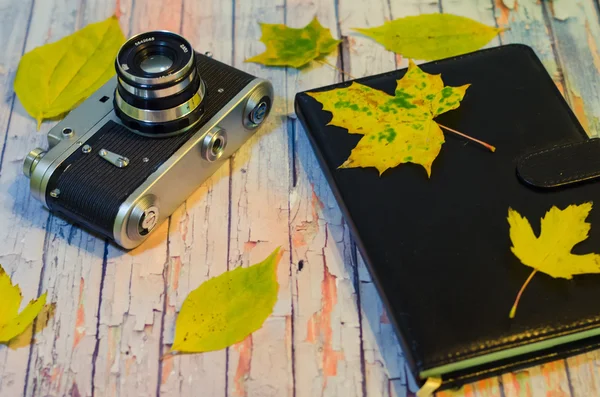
(226, 309)
(397, 129)
(13, 323)
(431, 36)
(293, 46)
(550, 253)
(54, 78)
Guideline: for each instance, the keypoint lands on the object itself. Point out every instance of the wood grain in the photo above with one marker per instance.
(329, 334)
(260, 183)
(326, 324)
(199, 230)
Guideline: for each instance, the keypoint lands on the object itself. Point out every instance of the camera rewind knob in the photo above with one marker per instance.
(31, 161)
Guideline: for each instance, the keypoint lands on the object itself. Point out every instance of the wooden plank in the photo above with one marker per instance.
(543, 380)
(260, 183)
(23, 233)
(326, 323)
(525, 24)
(60, 360)
(583, 374)
(130, 325)
(199, 229)
(576, 32)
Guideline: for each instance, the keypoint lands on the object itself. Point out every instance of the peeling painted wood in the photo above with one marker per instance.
(23, 221)
(327, 345)
(526, 24)
(130, 324)
(329, 334)
(198, 232)
(259, 218)
(576, 35)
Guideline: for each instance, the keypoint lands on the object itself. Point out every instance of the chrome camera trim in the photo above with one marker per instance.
(174, 181)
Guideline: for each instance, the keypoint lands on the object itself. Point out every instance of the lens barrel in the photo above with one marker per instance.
(159, 90)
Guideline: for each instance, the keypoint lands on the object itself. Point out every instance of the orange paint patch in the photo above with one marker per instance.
(298, 237)
(307, 230)
(316, 203)
(80, 321)
(311, 328)
(183, 225)
(592, 44)
(128, 364)
(175, 271)
(319, 325)
(560, 88)
(502, 19)
(56, 376)
(166, 371)
(249, 245)
(244, 349)
(384, 319)
(579, 109)
(118, 9)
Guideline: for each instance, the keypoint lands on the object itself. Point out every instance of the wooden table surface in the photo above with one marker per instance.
(328, 335)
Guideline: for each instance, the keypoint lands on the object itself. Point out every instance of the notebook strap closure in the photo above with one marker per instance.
(561, 165)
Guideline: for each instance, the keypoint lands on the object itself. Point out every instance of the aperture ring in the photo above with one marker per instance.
(161, 116)
(160, 93)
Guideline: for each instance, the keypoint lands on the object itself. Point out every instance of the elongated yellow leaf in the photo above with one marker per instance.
(226, 309)
(11, 322)
(294, 46)
(397, 129)
(550, 253)
(432, 36)
(54, 78)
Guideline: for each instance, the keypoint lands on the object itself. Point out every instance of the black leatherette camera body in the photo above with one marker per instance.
(92, 189)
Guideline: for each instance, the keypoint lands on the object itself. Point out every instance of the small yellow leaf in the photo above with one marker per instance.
(226, 309)
(54, 78)
(550, 253)
(397, 129)
(40, 323)
(294, 47)
(432, 36)
(12, 323)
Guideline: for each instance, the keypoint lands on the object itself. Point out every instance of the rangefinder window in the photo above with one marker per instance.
(125, 165)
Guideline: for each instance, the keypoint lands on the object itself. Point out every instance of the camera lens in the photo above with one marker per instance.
(156, 63)
(159, 90)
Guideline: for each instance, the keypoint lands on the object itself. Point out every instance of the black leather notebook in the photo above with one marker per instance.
(439, 249)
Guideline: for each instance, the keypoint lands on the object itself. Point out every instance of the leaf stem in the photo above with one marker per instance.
(486, 145)
(513, 311)
(335, 67)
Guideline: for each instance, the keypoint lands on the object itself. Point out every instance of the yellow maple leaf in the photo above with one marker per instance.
(13, 323)
(397, 129)
(294, 47)
(550, 253)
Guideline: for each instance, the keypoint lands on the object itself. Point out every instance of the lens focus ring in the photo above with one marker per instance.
(160, 91)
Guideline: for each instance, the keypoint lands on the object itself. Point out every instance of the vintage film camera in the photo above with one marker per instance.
(128, 156)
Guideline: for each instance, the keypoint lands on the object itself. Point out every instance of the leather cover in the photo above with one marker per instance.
(561, 165)
(438, 249)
